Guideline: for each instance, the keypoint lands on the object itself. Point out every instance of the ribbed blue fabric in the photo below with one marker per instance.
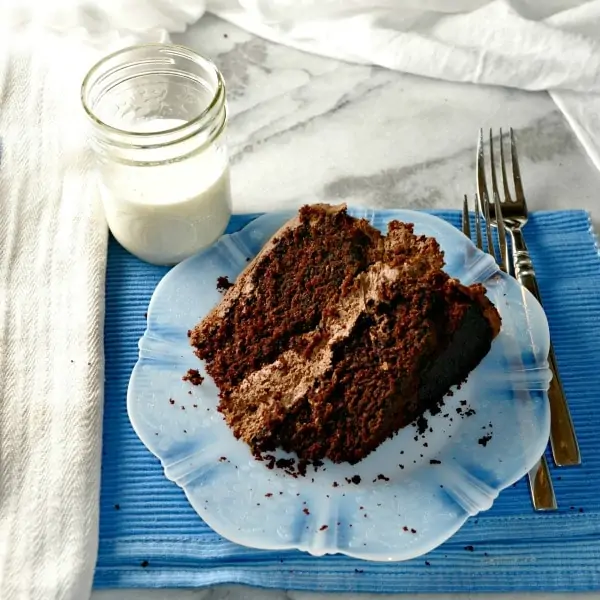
(151, 537)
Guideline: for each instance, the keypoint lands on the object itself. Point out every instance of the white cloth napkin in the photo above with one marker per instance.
(52, 247)
(53, 240)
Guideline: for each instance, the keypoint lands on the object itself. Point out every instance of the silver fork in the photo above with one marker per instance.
(540, 482)
(565, 449)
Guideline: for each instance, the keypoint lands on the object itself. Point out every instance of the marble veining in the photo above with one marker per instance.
(306, 128)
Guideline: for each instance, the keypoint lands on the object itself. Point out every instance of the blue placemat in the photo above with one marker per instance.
(150, 536)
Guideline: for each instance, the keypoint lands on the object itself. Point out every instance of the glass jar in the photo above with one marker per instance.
(158, 115)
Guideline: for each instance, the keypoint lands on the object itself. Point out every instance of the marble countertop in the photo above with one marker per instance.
(306, 128)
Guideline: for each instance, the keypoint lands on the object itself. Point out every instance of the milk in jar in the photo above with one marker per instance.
(158, 116)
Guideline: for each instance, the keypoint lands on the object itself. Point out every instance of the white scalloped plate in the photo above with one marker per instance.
(420, 505)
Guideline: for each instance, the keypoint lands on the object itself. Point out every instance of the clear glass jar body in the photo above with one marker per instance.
(158, 115)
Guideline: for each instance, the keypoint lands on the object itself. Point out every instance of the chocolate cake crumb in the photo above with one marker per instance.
(335, 484)
(171, 401)
(434, 461)
(269, 495)
(193, 376)
(427, 563)
(405, 528)
(323, 527)
(271, 460)
(358, 570)
(223, 283)
(483, 441)
(413, 530)
(222, 459)
(469, 548)
(422, 424)
(306, 511)
(436, 409)
(381, 477)
(117, 507)
(285, 463)
(144, 564)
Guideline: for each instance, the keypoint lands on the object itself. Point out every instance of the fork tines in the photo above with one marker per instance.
(492, 211)
(466, 223)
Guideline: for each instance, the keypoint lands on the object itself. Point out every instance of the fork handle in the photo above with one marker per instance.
(565, 449)
(540, 486)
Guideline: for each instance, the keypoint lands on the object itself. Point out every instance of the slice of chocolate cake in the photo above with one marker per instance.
(336, 336)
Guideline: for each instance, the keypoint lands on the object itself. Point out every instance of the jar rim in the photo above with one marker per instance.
(218, 96)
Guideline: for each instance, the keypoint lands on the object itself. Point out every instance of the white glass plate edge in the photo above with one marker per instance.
(417, 504)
